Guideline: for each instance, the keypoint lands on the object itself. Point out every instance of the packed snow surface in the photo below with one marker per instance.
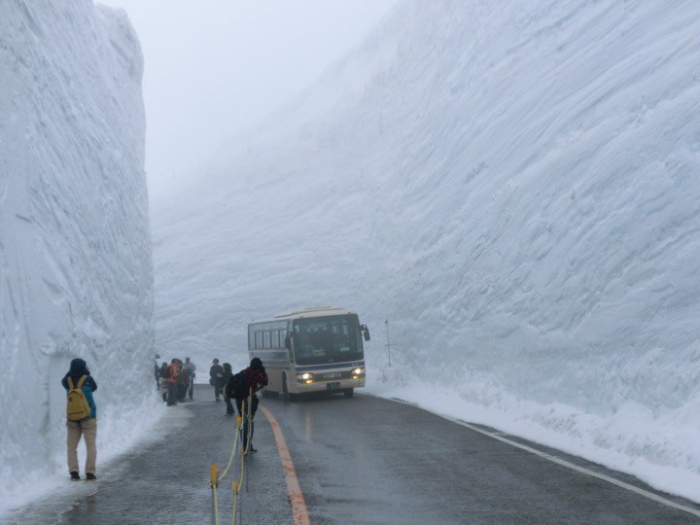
(75, 248)
(513, 186)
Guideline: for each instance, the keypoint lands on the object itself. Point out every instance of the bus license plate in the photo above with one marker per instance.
(332, 386)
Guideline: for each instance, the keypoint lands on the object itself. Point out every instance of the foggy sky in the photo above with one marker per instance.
(214, 67)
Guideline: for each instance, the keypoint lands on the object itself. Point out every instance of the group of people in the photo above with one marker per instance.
(176, 380)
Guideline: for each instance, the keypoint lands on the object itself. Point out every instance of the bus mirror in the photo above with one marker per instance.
(365, 332)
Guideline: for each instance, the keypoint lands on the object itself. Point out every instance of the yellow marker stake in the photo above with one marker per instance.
(214, 474)
(214, 500)
(235, 501)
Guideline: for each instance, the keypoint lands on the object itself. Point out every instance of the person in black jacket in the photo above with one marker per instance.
(163, 373)
(254, 379)
(191, 368)
(156, 372)
(228, 373)
(215, 375)
(86, 427)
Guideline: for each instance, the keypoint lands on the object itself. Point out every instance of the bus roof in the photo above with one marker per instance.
(316, 311)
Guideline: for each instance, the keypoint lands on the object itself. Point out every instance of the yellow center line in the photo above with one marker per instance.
(296, 497)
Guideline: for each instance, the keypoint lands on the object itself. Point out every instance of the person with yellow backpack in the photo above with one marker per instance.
(81, 413)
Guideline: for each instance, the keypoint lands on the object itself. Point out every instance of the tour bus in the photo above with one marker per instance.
(310, 350)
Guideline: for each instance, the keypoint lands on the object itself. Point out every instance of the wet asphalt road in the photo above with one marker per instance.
(367, 460)
(359, 461)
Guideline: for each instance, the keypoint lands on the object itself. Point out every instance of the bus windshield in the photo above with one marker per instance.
(327, 339)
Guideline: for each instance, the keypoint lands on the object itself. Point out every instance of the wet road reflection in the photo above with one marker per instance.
(361, 460)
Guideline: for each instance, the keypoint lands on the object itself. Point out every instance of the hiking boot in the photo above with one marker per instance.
(90, 476)
(74, 476)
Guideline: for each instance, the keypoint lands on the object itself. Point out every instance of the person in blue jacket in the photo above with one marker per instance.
(85, 427)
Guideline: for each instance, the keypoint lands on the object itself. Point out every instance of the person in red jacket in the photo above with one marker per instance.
(256, 379)
(172, 380)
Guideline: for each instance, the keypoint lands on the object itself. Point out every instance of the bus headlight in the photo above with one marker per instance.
(306, 377)
(357, 373)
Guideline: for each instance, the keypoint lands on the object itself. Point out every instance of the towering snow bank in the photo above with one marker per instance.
(75, 256)
(514, 186)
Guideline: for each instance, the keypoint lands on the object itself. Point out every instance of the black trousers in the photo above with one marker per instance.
(172, 393)
(229, 405)
(253, 406)
(248, 424)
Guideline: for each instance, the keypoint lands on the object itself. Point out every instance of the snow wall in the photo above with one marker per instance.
(75, 253)
(514, 186)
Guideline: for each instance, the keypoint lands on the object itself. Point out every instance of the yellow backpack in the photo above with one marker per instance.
(77, 407)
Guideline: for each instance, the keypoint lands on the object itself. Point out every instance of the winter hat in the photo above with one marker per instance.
(78, 368)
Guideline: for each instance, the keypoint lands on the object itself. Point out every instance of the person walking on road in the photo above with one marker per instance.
(156, 371)
(190, 367)
(228, 373)
(183, 383)
(244, 392)
(216, 372)
(163, 373)
(82, 418)
(173, 375)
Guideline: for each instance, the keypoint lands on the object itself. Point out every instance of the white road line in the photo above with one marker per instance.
(563, 463)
